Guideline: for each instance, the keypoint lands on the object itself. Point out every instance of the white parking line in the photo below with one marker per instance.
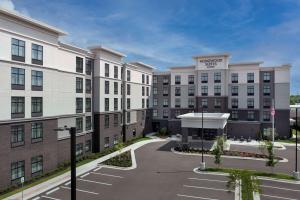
(115, 176)
(90, 181)
(50, 198)
(194, 197)
(280, 188)
(277, 197)
(89, 192)
(67, 183)
(51, 191)
(204, 179)
(207, 188)
(96, 169)
(84, 175)
(36, 198)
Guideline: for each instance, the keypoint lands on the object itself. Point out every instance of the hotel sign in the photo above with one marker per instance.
(211, 63)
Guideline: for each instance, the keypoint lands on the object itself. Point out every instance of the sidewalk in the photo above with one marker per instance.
(43, 187)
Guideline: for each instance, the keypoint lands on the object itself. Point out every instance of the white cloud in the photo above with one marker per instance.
(7, 4)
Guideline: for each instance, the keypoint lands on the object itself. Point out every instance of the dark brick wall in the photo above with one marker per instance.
(245, 129)
(211, 104)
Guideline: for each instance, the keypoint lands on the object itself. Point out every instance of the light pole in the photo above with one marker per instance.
(296, 172)
(202, 164)
(72, 131)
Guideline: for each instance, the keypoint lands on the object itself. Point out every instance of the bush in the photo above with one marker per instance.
(163, 131)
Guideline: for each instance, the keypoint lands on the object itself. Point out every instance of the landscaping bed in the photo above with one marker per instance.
(122, 160)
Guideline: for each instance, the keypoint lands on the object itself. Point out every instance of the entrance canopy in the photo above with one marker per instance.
(210, 120)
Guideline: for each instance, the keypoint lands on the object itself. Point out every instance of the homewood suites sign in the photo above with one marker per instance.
(211, 63)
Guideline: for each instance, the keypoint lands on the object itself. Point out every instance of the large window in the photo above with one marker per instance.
(147, 91)
(143, 78)
(128, 89)
(17, 170)
(17, 135)
(165, 80)
(36, 131)
(79, 124)
(88, 66)
(204, 103)
(106, 68)
(128, 117)
(79, 85)
(88, 146)
(143, 91)
(250, 77)
(204, 90)
(250, 116)
(106, 121)
(128, 103)
(17, 78)
(250, 103)
(79, 105)
(191, 102)
(155, 102)
(267, 90)
(217, 77)
(191, 79)
(204, 77)
(143, 103)
(217, 103)
(106, 85)
(79, 149)
(116, 105)
(217, 90)
(17, 107)
(177, 79)
(116, 120)
(128, 75)
(17, 50)
(266, 116)
(36, 79)
(267, 103)
(36, 164)
(116, 72)
(191, 90)
(234, 90)
(234, 78)
(106, 101)
(116, 88)
(177, 103)
(267, 77)
(165, 103)
(79, 65)
(165, 113)
(234, 115)
(154, 90)
(88, 86)
(177, 91)
(154, 79)
(37, 54)
(88, 123)
(88, 105)
(154, 113)
(147, 79)
(106, 142)
(165, 91)
(250, 90)
(234, 103)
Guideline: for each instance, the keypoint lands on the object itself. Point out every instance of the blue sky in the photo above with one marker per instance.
(168, 33)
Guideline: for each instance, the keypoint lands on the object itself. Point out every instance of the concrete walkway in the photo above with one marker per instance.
(43, 187)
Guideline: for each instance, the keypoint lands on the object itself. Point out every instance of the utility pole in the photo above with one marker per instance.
(296, 172)
(72, 131)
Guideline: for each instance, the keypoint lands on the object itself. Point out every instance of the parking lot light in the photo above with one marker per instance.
(296, 173)
(202, 164)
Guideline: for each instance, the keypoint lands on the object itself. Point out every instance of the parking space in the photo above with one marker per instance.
(279, 190)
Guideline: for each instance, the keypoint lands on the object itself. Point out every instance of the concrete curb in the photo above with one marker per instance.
(43, 187)
(224, 156)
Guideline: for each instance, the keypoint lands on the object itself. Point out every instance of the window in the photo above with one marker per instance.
(217, 103)
(128, 117)
(36, 131)
(116, 105)
(79, 149)
(88, 66)
(116, 140)
(147, 79)
(88, 146)
(217, 77)
(122, 88)
(177, 91)
(154, 79)
(143, 91)
(106, 142)
(191, 102)
(234, 90)
(116, 120)
(79, 124)
(116, 87)
(266, 116)
(88, 105)
(88, 86)
(166, 103)
(143, 103)
(154, 113)
(79, 105)
(165, 113)
(217, 90)
(234, 78)
(128, 103)
(191, 90)
(267, 103)
(106, 121)
(106, 85)
(250, 90)
(79, 85)
(177, 103)
(36, 79)
(267, 90)
(267, 77)
(128, 89)
(204, 90)
(106, 100)
(88, 123)
(143, 78)
(165, 80)
(204, 103)
(147, 91)
(154, 102)
(36, 106)
(177, 79)
(234, 103)
(143, 115)
(79, 65)
(17, 78)
(17, 135)
(234, 115)
(128, 75)
(122, 73)
(17, 107)
(250, 103)
(116, 71)
(17, 170)
(177, 113)
(154, 90)
(147, 103)
(204, 77)
(250, 77)
(37, 54)
(106, 68)
(191, 79)
(250, 116)
(36, 164)
(17, 50)
(165, 91)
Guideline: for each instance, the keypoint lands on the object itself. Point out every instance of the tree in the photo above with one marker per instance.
(218, 150)
(271, 162)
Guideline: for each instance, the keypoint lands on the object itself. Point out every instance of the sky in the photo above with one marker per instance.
(166, 33)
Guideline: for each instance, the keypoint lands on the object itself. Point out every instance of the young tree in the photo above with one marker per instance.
(271, 162)
(218, 150)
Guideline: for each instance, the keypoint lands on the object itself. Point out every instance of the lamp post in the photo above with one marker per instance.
(296, 172)
(72, 131)
(202, 164)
